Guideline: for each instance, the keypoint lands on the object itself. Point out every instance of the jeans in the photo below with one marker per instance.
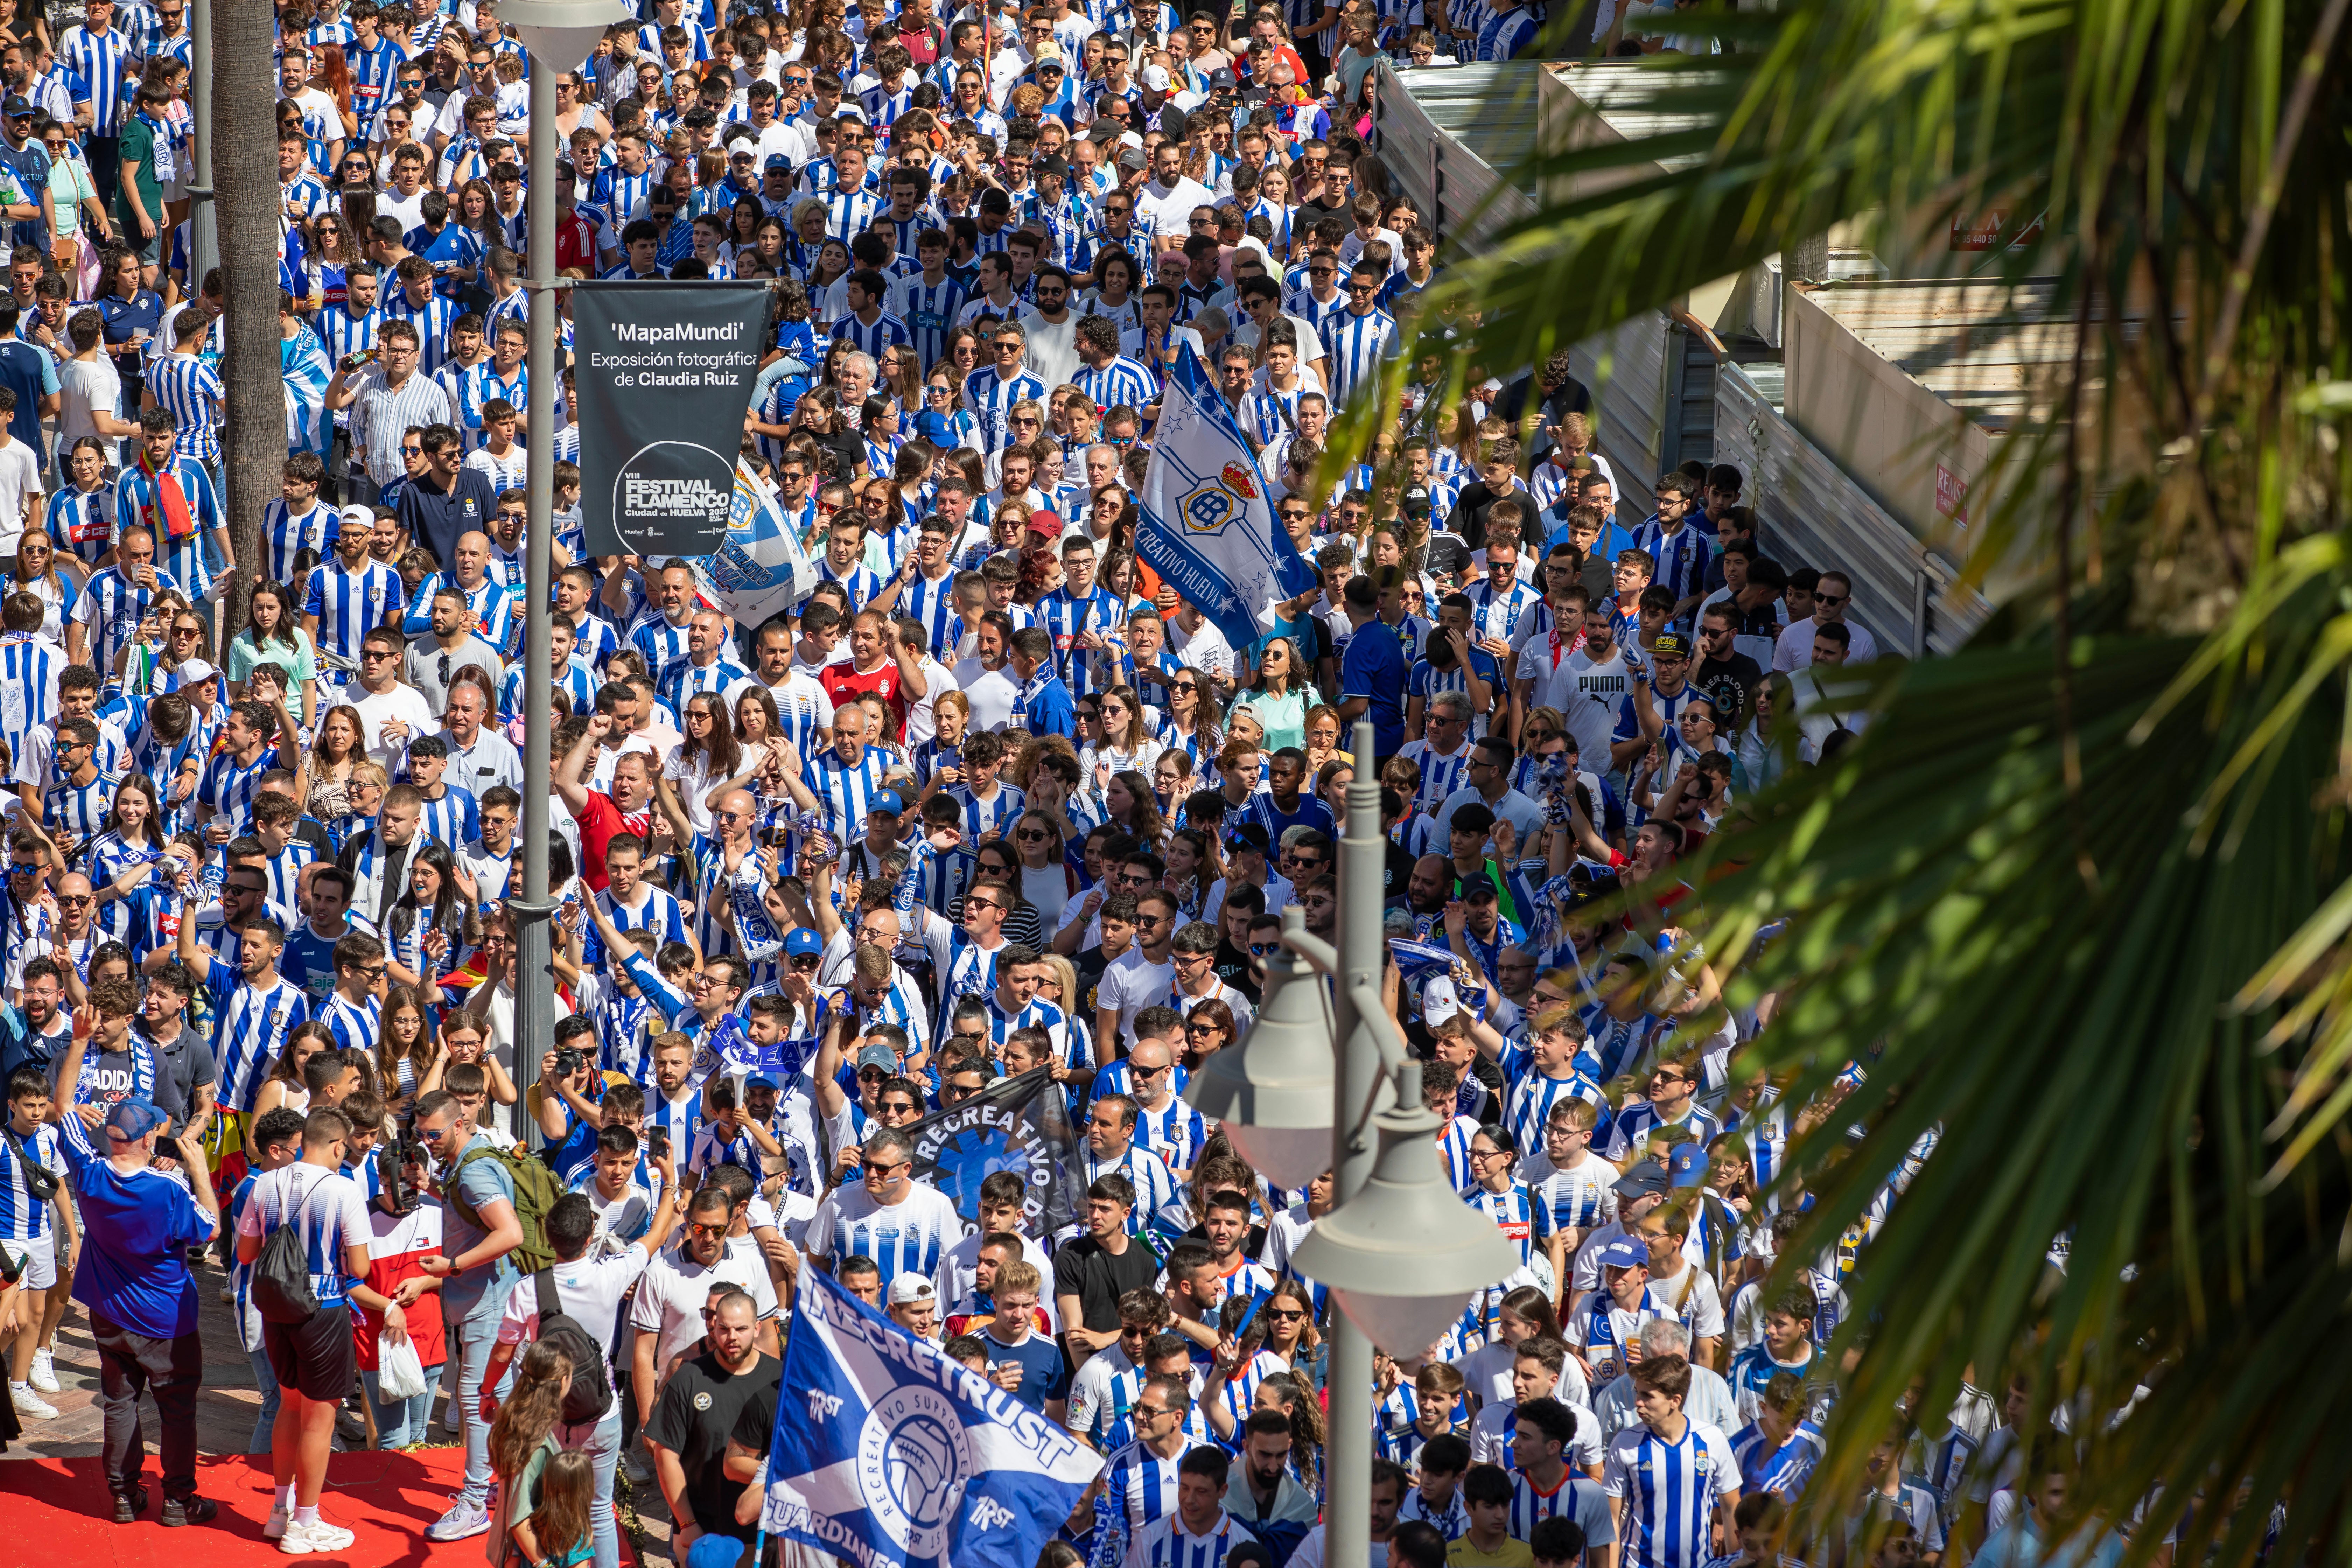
(171, 1370)
(400, 1422)
(474, 1341)
(602, 1444)
(265, 1378)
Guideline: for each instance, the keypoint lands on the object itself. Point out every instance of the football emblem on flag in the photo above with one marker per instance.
(913, 1459)
(1208, 509)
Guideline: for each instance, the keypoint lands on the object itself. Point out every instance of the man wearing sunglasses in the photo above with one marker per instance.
(904, 1225)
(1832, 596)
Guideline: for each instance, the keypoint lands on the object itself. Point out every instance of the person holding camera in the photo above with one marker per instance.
(138, 1225)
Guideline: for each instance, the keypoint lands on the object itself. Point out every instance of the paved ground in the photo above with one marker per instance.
(226, 1407)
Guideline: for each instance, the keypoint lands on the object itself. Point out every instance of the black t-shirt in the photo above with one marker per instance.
(1090, 966)
(1397, 872)
(1446, 553)
(1232, 966)
(698, 1413)
(1727, 683)
(1099, 1279)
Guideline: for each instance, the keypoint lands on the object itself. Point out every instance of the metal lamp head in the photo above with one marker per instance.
(561, 33)
(1405, 1255)
(1271, 1089)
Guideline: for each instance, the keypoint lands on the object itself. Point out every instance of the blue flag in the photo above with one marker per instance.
(888, 1455)
(1208, 527)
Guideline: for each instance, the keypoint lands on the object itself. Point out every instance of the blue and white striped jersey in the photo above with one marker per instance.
(1782, 1470)
(909, 1237)
(885, 331)
(1353, 348)
(190, 391)
(991, 394)
(1166, 1544)
(352, 1026)
(349, 604)
(228, 786)
(1138, 1486)
(282, 536)
(983, 815)
(1682, 557)
(844, 791)
(1441, 774)
(1669, 1488)
(249, 1028)
(1123, 380)
(455, 819)
(29, 667)
(102, 60)
(1579, 1198)
(22, 1218)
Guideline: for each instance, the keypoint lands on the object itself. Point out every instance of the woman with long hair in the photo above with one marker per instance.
(126, 850)
(463, 1040)
(1279, 695)
(941, 420)
(35, 572)
(1022, 921)
(1046, 879)
(1114, 517)
(1116, 298)
(328, 256)
(710, 761)
(1192, 723)
(1125, 744)
(959, 355)
(283, 1086)
(1193, 867)
(405, 1052)
(273, 636)
(771, 240)
(1321, 728)
(1208, 1029)
(1523, 1313)
(523, 1446)
(899, 374)
(436, 925)
(1761, 754)
(1130, 806)
(340, 745)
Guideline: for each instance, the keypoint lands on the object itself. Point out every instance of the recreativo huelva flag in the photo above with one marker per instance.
(1208, 528)
(888, 1455)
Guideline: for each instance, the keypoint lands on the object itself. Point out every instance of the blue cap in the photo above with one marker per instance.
(714, 1551)
(1624, 1253)
(1687, 1165)
(761, 1080)
(886, 800)
(800, 940)
(777, 161)
(131, 1119)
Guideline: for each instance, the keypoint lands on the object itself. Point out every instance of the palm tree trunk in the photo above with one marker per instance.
(245, 174)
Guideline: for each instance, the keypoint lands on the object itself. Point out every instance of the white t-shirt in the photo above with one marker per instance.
(992, 692)
(328, 1210)
(85, 384)
(20, 480)
(1795, 648)
(1131, 984)
(589, 1289)
(1205, 651)
(506, 473)
(910, 1236)
(404, 704)
(675, 1289)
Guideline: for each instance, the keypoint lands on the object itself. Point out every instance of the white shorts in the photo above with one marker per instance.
(40, 1260)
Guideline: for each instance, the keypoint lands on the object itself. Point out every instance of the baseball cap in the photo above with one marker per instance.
(886, 800)
(908, 1288)
(761, 1080)
(1645, 1180)
(800, 941)
(358, 516)
(777, 161)
(1687, 1166)
(1132, 159)
(131, 1119)
(1155, 79)
(1439, 1001)
(1481, 890)
(196, 669)
(14, 106)
(1045, 521)
(877, 1055)
(1623, 1253)
(714, 1551)
(1048, 54)
(1248, 835)
(1669, 645)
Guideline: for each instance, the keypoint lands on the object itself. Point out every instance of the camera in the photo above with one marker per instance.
(568, 1061)
(391, 1160)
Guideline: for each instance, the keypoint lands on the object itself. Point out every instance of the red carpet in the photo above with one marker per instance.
(57, 1510)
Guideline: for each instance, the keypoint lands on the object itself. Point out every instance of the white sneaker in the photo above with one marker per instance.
(278, 1520)
(299, 1539)
(29, 1402)
(44, 1371)
(450, 1421)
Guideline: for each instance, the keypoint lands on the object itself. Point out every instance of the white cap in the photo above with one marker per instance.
(908, 1288)
(1155, 79)
(1439, 1001)
(358, 516)
(189, 673)
(1130, 138)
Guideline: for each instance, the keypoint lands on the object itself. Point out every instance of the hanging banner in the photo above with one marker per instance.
(665, 375)
(1209, 529)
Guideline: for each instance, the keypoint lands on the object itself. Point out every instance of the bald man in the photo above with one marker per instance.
(708, 667)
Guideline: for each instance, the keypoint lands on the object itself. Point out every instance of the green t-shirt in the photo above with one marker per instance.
(138, 147)
(300, 663)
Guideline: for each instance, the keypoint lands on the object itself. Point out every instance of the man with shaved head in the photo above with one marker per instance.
(709, 666)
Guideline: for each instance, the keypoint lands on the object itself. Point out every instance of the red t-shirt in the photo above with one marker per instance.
(844, 685)
(575, 244)
(599, 825)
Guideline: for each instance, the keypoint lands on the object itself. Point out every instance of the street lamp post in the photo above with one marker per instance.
(559, 35)
(1322, 1081)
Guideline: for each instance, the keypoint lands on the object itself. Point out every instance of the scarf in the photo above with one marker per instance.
(165, 513)
(143, 1072)
(1602, 1331)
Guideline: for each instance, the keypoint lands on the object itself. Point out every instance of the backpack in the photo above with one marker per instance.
(280, 1287)
(591, 1394)
(535, 1192)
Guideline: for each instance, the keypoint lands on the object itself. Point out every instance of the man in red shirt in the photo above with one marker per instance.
(879, 663)
(604, 817)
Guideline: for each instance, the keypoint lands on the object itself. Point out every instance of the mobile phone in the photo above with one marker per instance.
(659, 1138)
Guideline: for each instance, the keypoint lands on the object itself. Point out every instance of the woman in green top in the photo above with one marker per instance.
(524, 1455)
(273, 636)
(75, 199)
(1279, 697)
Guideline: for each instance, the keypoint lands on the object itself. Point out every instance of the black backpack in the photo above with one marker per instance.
(280, 1288)
(591, 1394)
